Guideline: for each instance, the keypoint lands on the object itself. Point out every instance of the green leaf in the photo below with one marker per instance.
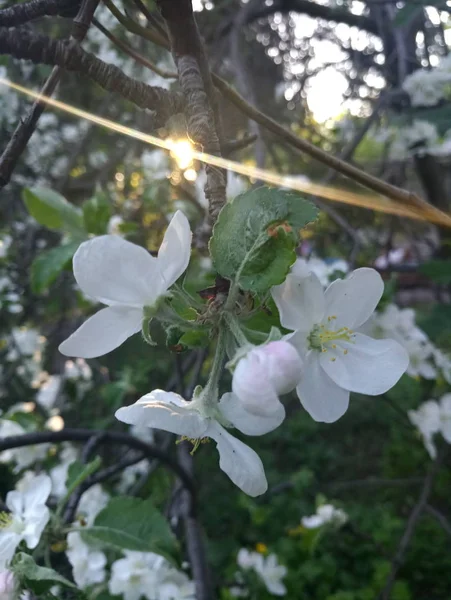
(53, 211)
(32, 576)
(49, 264)
(195, 338)
(256, 234)
(133, 524)
(438, 270)
(96, 214)
(78, 472)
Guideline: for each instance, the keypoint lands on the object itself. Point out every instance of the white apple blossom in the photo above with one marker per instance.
(337, 359)
(128, 280)
(58, 474)
(200, 419)
(27, 520)
(263, 374)
(114, 225)
(25, 456)
(432, 418)
(91, 503)
(421, 355)
(148, 575)
(49, 391)
(268, 568)
(88, 565)
(416, 138)
(326, 514)
(77, 369)
(321, 268)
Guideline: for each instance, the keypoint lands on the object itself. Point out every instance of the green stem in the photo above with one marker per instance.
(236, 330)
(210, 391)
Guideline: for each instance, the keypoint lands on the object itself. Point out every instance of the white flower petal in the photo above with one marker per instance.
(114, 271)
(103, 332)
(299, 339)
(8, 544)
(167, 411)
(253, 382)
(354, 299)
(323, 399)
(369, 366)
(37, 492)
(175, 250)
(248, 423)
(239, 462)
(300, 301)
(37, 521)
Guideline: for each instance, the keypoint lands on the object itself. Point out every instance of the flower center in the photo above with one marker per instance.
(196, 442)
(13, 524)
(321, 337)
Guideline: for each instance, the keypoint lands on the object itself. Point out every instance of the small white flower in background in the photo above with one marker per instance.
(268, 568)
(8, 586)
(148, 575)
(415, 139)
(337, 359)
(25, 342)
(23, 457)
(263, 374)
(5, 243)
(156, 163)
(127, 279)
(236, 185)
(27, 520)
(91, 503)
(58, 474)
(322, 269)
(431, 418)
(421, 355)
(195, 421)
(88, 565)
(134, 576)
(326, 514)
(443, 362)
(399, 323)
(77, 369)
(49, 391)
(131, 474)
(114, 225)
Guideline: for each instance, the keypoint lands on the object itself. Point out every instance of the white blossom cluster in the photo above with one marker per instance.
(427, 87)
(268, 569)
(324, 358)
(432, 418)
(425, 360)
(326, 514)
(135, 576)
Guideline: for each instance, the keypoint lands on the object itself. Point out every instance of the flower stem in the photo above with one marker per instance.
(210, 391)
(235, 328)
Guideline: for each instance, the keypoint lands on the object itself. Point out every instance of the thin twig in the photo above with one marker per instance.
(82, 435)
(26, 128)
(440, 517)
(131, 52)
(412, 522)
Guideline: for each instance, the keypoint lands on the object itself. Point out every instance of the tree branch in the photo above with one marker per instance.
(67, 54)
(104, 437)
(412, 522)
(195, 82)
(29, 11)
(25, 129)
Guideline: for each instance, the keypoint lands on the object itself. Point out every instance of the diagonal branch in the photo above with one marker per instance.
(25, 129)
(29, 11)
(68, 54)
(412, 522)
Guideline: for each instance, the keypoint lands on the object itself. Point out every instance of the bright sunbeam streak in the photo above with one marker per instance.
(372, 202)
